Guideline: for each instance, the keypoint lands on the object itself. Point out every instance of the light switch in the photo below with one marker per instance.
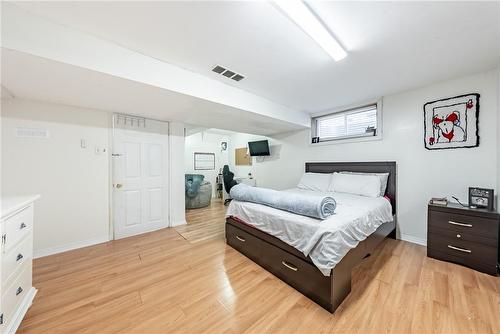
(83, 143)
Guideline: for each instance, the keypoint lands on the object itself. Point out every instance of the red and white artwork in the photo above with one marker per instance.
(452, 122)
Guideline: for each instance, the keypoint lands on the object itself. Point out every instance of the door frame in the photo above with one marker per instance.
(112, 119)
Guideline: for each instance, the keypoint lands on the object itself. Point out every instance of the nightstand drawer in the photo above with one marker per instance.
(462, 223)
(469, 253)
(458, 236)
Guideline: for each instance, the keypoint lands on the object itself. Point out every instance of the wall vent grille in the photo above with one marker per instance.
(32, 133)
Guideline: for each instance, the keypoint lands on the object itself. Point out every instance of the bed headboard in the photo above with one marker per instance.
(363, 167)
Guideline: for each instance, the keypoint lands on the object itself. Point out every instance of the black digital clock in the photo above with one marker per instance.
(481, 198)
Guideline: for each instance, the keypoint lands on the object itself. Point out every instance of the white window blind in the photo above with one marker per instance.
(358, 122)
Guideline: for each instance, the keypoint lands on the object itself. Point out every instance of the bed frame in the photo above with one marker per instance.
(291, 266)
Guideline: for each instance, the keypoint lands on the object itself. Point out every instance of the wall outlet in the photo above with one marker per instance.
(99, 150)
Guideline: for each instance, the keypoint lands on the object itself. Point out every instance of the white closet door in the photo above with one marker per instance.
(140, 181)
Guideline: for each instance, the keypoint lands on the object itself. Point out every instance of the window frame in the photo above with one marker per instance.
(346, 110)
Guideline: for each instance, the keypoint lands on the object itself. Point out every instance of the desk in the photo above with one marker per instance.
(245, 180)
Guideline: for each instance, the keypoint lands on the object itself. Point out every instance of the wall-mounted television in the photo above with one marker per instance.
(258, 148)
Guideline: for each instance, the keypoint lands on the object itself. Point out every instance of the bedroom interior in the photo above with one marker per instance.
(307, 166)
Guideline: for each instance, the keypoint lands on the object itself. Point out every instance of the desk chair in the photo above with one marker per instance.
(229, 182)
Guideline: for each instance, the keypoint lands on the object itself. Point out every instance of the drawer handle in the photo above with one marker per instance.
(23, 225)
(459, 224)
(18, 291)
(459, 236)
(19, 257)
(460, 249)
(289, 266)
(240, 238)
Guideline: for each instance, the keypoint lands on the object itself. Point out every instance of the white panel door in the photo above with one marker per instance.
(140, 175)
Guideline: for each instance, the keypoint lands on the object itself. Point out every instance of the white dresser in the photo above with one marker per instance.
(16, 258)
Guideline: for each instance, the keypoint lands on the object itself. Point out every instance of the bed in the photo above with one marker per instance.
(291, 265)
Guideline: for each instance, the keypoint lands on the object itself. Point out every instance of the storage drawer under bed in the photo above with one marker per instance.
(301, 275)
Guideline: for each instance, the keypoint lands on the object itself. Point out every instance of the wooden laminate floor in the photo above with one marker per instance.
(204, 223)
(161, 283)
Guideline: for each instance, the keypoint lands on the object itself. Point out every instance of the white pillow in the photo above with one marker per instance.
(315, 181)
(364, 185)
(383, 179)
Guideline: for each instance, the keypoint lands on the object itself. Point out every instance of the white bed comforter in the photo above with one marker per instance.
(324, 241)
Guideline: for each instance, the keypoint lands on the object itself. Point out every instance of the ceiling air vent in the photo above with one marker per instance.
(238, 77)
(228, 73)
(218, 69)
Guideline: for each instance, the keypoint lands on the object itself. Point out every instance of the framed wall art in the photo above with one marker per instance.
(452, 122)
(204, 161)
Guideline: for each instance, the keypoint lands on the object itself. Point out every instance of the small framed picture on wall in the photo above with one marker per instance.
(204, 161)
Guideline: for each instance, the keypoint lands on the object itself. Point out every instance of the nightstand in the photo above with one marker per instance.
(465, 236)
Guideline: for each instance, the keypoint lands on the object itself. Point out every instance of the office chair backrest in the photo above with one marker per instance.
(228, 178)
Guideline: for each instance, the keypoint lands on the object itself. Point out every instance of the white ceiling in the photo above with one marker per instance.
(32, 77)
(393, 46)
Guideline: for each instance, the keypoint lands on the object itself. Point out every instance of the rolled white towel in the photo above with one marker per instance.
(316, 206)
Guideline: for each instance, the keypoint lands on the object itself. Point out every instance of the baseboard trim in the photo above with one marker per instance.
(70, 246)
(21, 311)
(177, 223)
(414, 240)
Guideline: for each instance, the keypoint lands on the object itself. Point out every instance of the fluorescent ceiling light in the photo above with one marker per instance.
(302, 15)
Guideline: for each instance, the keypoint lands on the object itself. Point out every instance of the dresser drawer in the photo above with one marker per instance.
(13, 261)
(15, 293)
(462, 223)
(471, 254)
(18, 226)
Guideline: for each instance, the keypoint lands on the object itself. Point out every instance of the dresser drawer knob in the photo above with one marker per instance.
(23, 225)
(459, 224)
(19, 291)
(19, 257)
(240, 238)
(460, 249)
(289, 266)
(459, 236)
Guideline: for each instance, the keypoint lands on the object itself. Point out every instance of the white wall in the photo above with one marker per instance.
(422, 174)
(177, 212)
(498, 136)
(74, 209)
(259, 166)
(205, 142)
(74, 182)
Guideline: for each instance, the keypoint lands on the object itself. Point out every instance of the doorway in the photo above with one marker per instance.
(140, 175)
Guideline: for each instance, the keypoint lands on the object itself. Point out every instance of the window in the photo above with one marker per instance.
(352, 123)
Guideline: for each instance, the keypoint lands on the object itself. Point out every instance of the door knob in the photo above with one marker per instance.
(118, 185)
